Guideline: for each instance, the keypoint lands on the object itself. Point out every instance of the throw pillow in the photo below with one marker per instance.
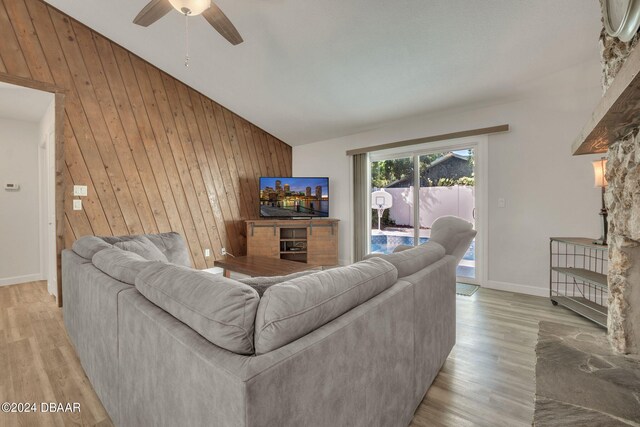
(120, 264)
(142, 246)
(88, 246)
(173, 246)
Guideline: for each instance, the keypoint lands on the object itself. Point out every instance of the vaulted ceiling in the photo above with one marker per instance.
(310, 70)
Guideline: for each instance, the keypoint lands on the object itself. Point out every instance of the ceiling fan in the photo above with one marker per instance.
(156, 9)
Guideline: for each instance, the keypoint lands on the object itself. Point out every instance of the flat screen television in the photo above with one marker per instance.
(282, 197)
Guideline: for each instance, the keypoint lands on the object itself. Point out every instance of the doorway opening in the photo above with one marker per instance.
(31, 182)
(422, 185)
(27, 123)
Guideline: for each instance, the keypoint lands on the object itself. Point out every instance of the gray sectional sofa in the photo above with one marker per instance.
(166, 345)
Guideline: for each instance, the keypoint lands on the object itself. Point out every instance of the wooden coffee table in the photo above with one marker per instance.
(260, 266)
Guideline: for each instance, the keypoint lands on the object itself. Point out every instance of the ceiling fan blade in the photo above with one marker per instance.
(221, 23)
(153, 11)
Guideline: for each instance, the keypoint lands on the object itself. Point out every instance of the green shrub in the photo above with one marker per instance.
(468, 181)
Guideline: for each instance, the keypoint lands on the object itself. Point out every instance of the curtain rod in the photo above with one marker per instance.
(434, 138)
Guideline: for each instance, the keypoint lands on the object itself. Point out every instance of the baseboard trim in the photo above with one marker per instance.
(517, 288)
(52, 288)
(20, 279)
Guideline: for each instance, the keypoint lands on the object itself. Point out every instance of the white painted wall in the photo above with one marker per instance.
(548, 192)
(19, 210)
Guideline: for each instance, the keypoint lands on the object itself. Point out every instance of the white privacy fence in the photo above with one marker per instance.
(434, 203)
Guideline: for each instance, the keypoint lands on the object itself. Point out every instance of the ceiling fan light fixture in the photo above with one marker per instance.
(191, 7)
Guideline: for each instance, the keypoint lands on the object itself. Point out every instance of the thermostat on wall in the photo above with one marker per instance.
(12, 187)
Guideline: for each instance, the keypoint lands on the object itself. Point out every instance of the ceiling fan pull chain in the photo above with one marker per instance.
(186, 37)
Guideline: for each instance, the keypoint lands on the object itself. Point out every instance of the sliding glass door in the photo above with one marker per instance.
(405, 204)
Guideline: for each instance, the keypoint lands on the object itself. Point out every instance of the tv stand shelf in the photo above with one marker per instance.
(312, 241)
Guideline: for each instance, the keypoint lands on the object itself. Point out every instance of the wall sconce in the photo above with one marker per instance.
(599, 169)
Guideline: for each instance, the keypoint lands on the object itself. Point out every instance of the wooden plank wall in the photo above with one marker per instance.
(155, 154)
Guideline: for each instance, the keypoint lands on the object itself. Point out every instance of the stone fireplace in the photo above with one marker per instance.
(623, 203)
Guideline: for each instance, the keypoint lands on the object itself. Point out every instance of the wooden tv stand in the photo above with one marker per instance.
(312, 241)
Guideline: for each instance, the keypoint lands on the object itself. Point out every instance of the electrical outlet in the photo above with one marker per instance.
(79, 190)
(77, 204)
(223, 251)
(207, 252)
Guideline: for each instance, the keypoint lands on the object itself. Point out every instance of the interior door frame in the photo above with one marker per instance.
(46, 205)
(479, 144)
(59, 99)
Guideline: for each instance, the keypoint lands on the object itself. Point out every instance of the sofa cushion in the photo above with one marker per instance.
(292, 309)
(454, 234)
(142, 246)
(173, 246)
(120, 264)
(221, 310)
(88, 246)
(261, 284)
(412, 260)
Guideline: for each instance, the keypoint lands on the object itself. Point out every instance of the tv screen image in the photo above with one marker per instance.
(294, 197)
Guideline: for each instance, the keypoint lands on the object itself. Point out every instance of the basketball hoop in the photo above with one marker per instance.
(381, 200)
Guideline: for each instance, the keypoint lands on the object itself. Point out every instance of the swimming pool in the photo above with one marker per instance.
(386, 243)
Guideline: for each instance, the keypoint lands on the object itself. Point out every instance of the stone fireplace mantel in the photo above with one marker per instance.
(618, 112)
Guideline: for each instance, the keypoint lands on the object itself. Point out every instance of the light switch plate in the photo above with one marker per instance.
(77, 205)
(501, 203)
(79, 190)
(207, 252)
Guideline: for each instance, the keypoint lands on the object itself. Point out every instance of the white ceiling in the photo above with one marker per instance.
(21, 103)
(310, 70)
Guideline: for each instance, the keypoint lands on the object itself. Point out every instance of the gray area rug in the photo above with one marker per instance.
(466, 289)
(580, 381)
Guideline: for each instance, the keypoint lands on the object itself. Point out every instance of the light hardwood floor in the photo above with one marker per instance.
(487, 381)
(38, 362)
(489, 377)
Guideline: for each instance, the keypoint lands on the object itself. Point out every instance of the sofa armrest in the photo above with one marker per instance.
(454, 234)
